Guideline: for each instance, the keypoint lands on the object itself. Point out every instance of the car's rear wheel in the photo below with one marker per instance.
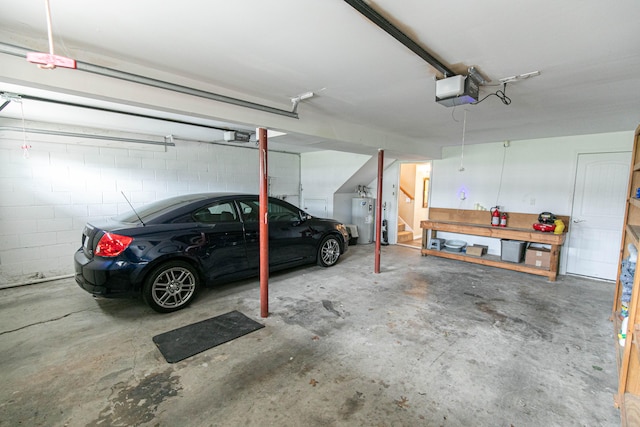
(171, 286)
(329, 251)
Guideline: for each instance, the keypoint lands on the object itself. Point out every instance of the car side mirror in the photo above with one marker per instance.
(302, 217)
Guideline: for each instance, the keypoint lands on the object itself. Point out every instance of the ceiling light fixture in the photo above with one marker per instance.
(274, 133)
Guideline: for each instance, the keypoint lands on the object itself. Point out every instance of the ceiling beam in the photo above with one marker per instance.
(134, 78)
(391, 29)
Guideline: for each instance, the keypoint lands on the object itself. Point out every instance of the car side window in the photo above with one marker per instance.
(250, 210)
(216, 213)
(278, 212)
(275, 212)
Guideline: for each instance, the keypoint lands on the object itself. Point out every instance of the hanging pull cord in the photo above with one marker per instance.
(464, 131)
(504, 156)
(50, 34)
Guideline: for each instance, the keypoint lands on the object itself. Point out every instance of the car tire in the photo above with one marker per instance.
(171, 286)
(328, 251)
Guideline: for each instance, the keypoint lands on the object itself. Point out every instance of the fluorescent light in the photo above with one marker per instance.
(274, 133)
(271, 133)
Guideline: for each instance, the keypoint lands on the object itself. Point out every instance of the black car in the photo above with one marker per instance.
(168, 249)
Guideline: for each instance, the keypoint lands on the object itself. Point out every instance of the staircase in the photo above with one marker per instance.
(403, 235)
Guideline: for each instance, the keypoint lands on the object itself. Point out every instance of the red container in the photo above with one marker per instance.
(544, 227)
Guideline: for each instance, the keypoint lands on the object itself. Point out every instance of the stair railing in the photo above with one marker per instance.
(407, 193)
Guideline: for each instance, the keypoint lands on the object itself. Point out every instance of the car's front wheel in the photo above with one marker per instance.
(329, 251)
(171, 286)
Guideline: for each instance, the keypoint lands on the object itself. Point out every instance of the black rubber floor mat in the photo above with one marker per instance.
(192, 339)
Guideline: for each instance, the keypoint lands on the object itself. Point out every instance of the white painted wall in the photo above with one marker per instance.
(539, 175)
(46, 199)
(390, 193)
(324, 172)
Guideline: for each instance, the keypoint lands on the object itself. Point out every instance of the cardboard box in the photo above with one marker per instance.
(538, 257)
(512, 250)
(477, 250)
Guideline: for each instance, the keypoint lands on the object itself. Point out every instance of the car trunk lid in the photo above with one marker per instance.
(88, 236)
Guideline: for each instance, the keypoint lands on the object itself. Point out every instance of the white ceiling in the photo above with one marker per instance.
(587, 52)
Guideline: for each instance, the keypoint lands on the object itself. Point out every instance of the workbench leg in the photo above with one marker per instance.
(554, 260)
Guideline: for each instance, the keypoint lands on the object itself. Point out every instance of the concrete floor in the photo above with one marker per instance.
(428, 342)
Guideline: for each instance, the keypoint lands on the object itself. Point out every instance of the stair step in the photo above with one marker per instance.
(400, 226)
(405, 236)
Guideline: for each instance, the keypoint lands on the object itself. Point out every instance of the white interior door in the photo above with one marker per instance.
(316, 207)
(599, 199)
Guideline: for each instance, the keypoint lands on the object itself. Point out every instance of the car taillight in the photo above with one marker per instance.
(111, 245)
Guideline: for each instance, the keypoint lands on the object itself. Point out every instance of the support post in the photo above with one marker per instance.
(264, 224)
(379, 212)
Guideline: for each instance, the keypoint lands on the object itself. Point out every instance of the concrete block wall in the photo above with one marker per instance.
(49, 192)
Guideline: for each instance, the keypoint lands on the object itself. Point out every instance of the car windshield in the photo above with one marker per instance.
(153, 210)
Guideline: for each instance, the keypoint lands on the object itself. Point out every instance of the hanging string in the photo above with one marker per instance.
(25, 147)
(504, 156)
(464, 130)
(50, 34)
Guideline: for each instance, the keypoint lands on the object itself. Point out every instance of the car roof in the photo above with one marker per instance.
(166, 209)
(160, 210)
(202, 196)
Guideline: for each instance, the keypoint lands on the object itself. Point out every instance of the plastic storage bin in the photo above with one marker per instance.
(512, 250)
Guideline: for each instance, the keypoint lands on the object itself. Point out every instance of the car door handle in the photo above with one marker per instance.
(577, 221)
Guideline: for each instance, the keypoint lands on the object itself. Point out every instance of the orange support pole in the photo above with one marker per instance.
(379, 212)
(264, 224)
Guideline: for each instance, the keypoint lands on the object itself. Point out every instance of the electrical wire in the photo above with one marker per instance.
(504, 156)
(500, 93)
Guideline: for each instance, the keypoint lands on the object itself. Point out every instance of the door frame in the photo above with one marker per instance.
(392, 219)
(564, 257)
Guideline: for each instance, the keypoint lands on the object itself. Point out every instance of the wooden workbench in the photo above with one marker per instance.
(477, 223)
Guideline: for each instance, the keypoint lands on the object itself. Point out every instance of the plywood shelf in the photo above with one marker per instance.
(627, 397)
(634, 201)
(635, 340)
(631, 410)
(617, 323)
(633, 232)
(491, 261)
(473, 223)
